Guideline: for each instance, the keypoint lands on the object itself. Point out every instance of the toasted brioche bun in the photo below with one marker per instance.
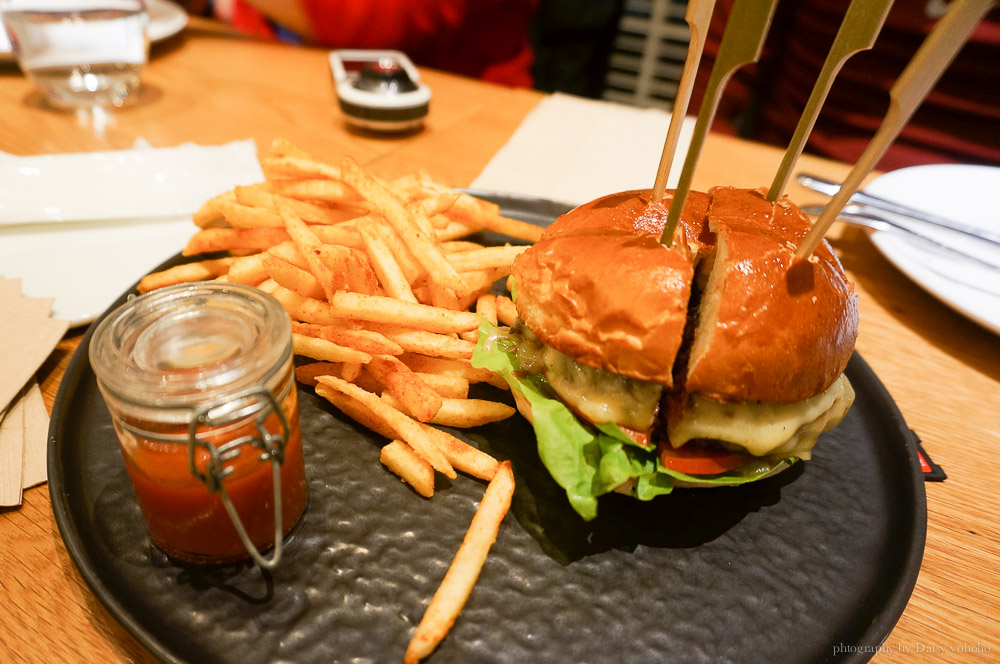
(631, 212)
(600, 288)
(613, 301)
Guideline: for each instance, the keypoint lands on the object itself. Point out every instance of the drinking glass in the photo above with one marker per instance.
(79, 53)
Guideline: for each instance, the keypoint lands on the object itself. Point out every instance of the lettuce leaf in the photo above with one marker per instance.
(587, 461)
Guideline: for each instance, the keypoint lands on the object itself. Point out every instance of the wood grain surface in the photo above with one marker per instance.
(209, 86)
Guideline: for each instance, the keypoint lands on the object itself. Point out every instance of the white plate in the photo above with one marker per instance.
(966, 194)
(165, 20)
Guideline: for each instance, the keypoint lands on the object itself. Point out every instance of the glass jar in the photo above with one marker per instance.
(199, 382)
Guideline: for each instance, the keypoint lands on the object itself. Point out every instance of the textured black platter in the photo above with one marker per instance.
(813, 565)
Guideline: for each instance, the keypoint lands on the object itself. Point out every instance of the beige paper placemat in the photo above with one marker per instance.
(36, 435)
(11, 454)
(573, 150)
(27, 337)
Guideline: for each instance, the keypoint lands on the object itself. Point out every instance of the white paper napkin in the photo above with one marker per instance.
(82, 228)
(573, 150)
(123, 184)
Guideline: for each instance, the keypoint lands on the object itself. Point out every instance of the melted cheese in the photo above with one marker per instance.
(787, 429)
(599, 396)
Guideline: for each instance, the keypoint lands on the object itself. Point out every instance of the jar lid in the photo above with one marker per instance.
(186, 344)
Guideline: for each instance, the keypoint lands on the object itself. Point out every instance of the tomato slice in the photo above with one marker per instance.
(641, 438)
(701, 459)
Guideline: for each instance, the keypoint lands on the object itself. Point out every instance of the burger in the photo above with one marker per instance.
(717, 360)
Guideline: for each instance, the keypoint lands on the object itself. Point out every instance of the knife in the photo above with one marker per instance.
(861, 198)
(881, 221)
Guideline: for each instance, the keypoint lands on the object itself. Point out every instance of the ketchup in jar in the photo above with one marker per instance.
(199, 382)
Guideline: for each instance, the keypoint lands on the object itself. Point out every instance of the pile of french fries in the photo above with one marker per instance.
(385, 292)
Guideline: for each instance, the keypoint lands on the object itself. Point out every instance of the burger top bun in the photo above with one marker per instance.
(770, 327)
(600, 288)
(631, 212)
(611, 300)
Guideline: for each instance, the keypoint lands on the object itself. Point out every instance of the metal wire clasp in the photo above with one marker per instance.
(272, 448)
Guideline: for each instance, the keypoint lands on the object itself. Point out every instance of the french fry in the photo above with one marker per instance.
(459, 413)
(427, 343)
(209, 240)
(211, 210)
(488, 257)
(343, 234)
(506, 311)
(328, 191)
(450, 367)
(367, 341)
(326, 351)
(238, 215)
(310, 247)
(486, 306)
(424, 248)
(292, 276)
(436, 203)
(451, 387)
(282, 147)
(487, 215)
(416, 398)
(386, 267)
(456, 246)
(287, 251)
(482, 280)
(306, 373)
(400, 458)
(455, 230)
(269, 286)
(443, 297)
(297, 167)
(382, 309)
(352, 264)
(256, 197)
(412, 432)
(247, 270)
(462, 456)
(355, 410)
(306, 309)
(412, 270)
(185, 273)
(366, 381)
(464, 570)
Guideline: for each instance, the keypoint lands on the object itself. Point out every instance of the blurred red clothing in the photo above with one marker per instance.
(486, 39)
(959, 121)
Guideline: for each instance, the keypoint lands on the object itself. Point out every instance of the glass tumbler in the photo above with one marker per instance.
(199, 382)
(79, 53)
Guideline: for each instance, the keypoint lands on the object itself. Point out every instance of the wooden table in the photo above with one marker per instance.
(208, 86)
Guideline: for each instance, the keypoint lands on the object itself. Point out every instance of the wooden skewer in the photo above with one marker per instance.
(862, 23)
(926, 67)
(698, 16)
(741, 44)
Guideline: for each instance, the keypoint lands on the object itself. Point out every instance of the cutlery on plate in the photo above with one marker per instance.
(860, 198)
(880, 220)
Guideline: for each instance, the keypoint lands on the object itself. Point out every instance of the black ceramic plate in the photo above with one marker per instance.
(813, 565)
